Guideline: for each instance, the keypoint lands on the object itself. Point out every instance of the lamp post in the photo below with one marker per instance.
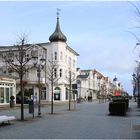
(136, 80)
(38, 63)
(70, 90)
(136, 85)
(79, 91)
(99, 78)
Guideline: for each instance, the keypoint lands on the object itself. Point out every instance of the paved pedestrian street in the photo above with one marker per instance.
(88, 121)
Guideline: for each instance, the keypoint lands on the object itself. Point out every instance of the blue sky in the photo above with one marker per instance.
(98, 31)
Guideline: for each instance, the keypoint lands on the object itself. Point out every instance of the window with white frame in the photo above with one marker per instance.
(69, 62)
(27, 57)
(55, 55)
(60, 72)
(65, 73)
(61, 55)
(55, 73)
(73, 63)
(66, 58)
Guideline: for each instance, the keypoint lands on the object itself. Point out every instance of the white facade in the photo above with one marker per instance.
(56, 50)
(87, 84)
(92, 83)
(66, 61)
(7, 89)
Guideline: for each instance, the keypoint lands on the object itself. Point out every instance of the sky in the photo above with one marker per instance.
(99, 31)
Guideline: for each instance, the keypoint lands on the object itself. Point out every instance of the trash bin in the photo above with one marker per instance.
(31, 106)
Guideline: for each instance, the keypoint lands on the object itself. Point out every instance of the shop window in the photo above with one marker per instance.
(67, 94)
(11, 91)
(7, 95)
(1, 95)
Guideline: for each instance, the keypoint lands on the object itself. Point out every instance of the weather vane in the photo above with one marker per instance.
(58, 10)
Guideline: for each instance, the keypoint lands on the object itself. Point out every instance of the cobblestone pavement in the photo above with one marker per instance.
(88, 121)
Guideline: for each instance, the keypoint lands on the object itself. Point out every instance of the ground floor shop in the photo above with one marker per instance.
(87, 93)
(60, 92)
(7, 89)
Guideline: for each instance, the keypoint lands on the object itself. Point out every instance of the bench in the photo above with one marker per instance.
(7, 119)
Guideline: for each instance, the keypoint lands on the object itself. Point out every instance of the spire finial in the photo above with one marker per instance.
(58, 10)
(57, 35)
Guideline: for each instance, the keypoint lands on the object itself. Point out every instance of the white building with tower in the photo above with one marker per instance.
(64, 57)
(90, 83)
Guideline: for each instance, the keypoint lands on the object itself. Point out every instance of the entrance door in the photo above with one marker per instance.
(1, 94)
(57, 93)
(57, 96)
(43, 93)
(67, 94)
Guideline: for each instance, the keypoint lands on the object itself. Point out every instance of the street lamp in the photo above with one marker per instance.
(136, 86)
(38, 63)
(136, 78)
(70, 89)
(79, 90)
(99, 78)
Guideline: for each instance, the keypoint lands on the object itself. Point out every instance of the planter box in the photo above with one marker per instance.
(138, 103)
(123, 100)
(117, 108)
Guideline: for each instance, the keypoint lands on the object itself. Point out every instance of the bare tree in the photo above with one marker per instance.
(136, 6)
(16, 58)
(71, 79)
(136, 83)
(51, 75)
(136, 74)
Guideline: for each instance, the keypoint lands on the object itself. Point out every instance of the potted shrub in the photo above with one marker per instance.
(12, 101)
